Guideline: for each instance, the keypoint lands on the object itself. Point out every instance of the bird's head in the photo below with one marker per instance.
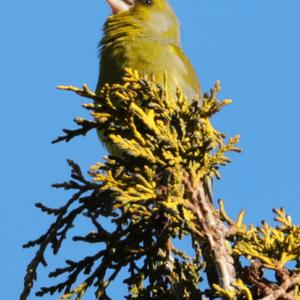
(156, 16)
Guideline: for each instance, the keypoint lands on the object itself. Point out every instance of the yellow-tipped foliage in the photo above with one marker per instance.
(162, 148)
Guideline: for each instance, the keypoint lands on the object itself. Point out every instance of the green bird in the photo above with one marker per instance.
(144, 35)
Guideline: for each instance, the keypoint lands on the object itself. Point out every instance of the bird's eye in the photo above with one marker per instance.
(148, 2)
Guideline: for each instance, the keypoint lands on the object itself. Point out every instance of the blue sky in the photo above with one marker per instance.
(253, 47)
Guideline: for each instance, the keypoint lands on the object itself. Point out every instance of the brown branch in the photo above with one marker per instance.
(215, 233)
(281, 292)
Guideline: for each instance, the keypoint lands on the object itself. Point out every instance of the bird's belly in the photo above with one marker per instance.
(158, 63)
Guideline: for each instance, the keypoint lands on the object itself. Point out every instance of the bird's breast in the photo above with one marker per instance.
(149, 56)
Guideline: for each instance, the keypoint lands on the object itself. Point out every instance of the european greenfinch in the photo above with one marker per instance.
(144, 35)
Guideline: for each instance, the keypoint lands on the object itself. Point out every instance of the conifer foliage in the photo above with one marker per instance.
(153, 193)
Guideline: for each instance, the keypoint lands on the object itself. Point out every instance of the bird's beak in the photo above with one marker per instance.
(118, 6)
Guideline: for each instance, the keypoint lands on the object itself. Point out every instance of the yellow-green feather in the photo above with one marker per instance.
(146, 39)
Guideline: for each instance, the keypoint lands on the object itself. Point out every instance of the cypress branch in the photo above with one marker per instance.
(154, 192)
